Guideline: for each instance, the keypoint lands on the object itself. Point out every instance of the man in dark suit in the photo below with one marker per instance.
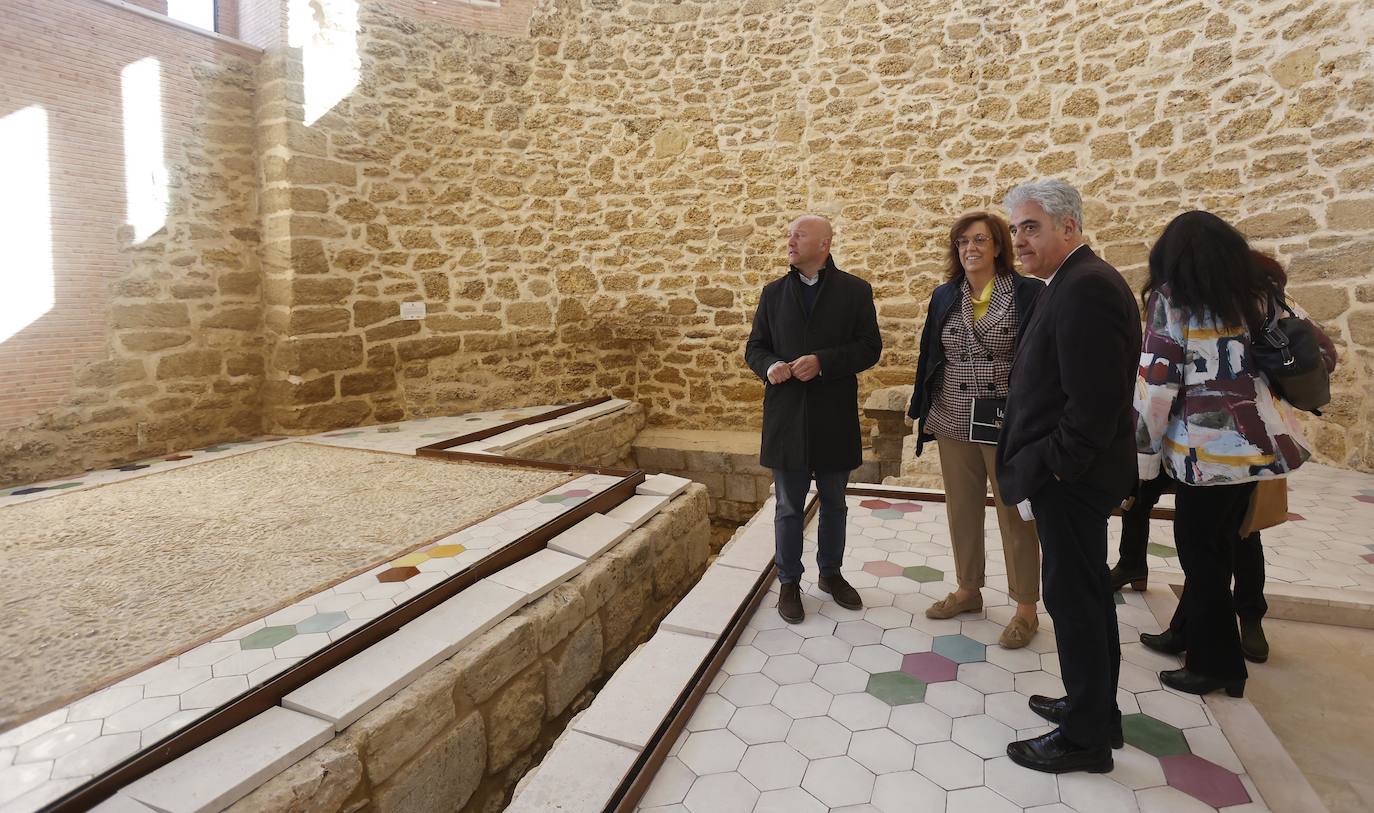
(1067, 455)
(814, 331)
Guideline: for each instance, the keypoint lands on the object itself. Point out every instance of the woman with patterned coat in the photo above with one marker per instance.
(973, 323)
(1207, 417)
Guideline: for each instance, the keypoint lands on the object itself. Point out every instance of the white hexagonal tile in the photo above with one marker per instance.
(788, 800)
(859, 711)
(713, 711)
(840, 678)
(243, 662)
(907, 792)
(141, 714)
(882, 751)
(1096, 792)
(802, 700)
(1022, 786)
(1010, 708)
(214, 692)
(954, 699)
(978, 800)
(749, 689)
(167, 725)
(1017, 660)
(301, 645)
(58, 742)
(671, 782)
(920, 723)
(777, 642)
(1172, 709)
(982, 735)
(759, 724)
(826, 649)
(96, 756)
(875, 658)
(986, 677)
(1212, 745)
(708, 752)
(888, 618)
(773, 766)
(788, 669)
(818, 737)
(1172, 800)
(106, 702)
(742, 660)
(948, 765)
(1136, 769)
(721, 793)
(858, 633)
(907, 640)
(813, 626)
(838, 781)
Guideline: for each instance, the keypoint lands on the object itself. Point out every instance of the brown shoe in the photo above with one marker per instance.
(1018, 633)
(790, 603)
(950, 606)
(842, 591)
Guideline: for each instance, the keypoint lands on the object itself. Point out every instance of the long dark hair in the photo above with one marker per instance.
(1209, 269)
(1001, 238)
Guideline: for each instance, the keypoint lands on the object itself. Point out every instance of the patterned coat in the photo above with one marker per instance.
(978, 358)
(1203, 411)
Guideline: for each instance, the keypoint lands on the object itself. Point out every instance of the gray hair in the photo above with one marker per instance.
(1058, 199)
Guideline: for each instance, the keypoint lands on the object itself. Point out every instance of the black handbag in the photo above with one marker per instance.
(1288, 355)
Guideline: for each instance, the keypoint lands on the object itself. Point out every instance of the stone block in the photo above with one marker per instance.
(370, 311)
(189, 364)
(1346, 261)
(110, 373)
(311, 171)
(514, 718)
(655, 459)
(1322, 302)
(740, 488)
(571, 667)
(151, 341)
(320, 783)
(299, 392)
(714, 482)
(556, 615)
(159, 314)
(318, 320)
(1285, 223)
(368, 382)
(399, 728)
(429, 348)
(494, 658)
(300, 356)
(327, 291)
(1351, 215)
(443, 777)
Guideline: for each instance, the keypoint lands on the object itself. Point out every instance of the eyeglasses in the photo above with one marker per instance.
(979, 240)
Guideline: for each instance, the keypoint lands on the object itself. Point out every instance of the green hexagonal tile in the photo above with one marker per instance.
(1118, 598)
(551, 498)
(1160, 550)
(1154, 737)
(959, 648)
(896, 688)
(888, 513)
(321, 622)
(922, 573)
(267, 637)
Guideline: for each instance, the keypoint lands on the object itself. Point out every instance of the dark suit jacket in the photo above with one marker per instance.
(814, 426)
(1072, 382)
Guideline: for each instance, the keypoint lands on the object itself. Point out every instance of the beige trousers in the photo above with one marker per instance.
(967, 468)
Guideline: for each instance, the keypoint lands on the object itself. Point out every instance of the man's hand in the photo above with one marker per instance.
(806, 368)
(779, 372)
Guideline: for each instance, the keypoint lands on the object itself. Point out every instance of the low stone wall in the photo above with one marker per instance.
(460, 737)
(603, 441)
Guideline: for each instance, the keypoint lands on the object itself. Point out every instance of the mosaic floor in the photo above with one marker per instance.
(45, 757)
(1326, 543)
(886, 710)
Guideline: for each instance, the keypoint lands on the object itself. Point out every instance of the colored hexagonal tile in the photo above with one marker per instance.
(930, 667)
(1160, 550)
(1153, 736)
(550, 498)
(875, 504)
(960, 648)
(883, 568)
(444, 551)
(397, 574)
(896, 688)
(577, 492)
(1368, 557)
(1204, 780)
(1365, 498)
(267, 637)
(321, 622)
(411, 559)
(922, 573)
(1118, 598)
(888, 513)
(907, 507)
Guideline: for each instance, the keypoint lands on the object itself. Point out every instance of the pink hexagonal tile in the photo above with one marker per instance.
(876, 504)
(1204, 780)
(906, 507)
(930, 667)
(883, 568)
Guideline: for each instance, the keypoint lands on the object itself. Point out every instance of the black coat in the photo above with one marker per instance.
(814, 426)
(1069, 409)
(944, 300)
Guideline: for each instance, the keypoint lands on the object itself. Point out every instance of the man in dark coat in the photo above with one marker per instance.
(814, 331)
(1067, 455)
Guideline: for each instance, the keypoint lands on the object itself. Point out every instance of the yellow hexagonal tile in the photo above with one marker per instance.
(444, 551)
(411, 559)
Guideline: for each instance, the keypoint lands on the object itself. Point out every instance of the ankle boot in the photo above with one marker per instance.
(1253, 644)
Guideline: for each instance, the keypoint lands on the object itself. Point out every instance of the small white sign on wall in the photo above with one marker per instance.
(412, 310)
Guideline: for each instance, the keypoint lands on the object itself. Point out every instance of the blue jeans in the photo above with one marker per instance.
(790, 488)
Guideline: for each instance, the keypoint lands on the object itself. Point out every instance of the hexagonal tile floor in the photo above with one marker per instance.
(886, 710)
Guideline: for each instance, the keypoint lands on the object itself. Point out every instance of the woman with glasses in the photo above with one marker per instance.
(1207, 418)
(972, 326)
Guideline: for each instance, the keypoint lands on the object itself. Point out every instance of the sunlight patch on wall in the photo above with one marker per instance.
(326, 31)
(26, 275)
(145, 171)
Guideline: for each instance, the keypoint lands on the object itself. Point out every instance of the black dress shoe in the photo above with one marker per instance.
(1055, 753)
(1253, 644)
(1167, 642)
(1193, 683)
(1137, 577)
(1054, 709)
(789, 603)
(840, 590)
